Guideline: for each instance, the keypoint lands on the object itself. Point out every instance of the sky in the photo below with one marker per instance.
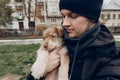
(106, 1)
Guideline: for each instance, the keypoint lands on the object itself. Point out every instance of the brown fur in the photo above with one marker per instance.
(52, 43)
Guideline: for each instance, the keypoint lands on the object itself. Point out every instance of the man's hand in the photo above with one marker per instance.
(53, 62)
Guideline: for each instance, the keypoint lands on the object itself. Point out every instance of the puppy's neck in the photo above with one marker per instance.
(57, 49)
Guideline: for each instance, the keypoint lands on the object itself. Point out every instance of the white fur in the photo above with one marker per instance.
(40, 64)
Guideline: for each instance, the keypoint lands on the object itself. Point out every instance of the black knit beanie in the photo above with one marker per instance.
(88, 8)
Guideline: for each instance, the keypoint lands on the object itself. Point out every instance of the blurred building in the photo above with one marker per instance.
(115, 1)
(111, 15)
(46, 12)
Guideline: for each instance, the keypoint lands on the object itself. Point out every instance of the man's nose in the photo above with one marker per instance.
(66, 22)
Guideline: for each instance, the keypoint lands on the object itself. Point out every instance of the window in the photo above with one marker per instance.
(114, 16)
(20, 14)
(40, 0)
(18, 4)
(119, 16)
(113, 24)
(31, 14)
(42, 20)
(52, 1)
(53, 20)
(108, 16)
(102, 16)
(118, 24)
(53, 9)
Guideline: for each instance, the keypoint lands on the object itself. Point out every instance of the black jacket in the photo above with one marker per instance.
(94, 55)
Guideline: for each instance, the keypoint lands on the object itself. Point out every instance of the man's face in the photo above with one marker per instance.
(74, 24)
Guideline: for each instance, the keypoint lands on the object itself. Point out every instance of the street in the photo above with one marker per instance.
(33, 41)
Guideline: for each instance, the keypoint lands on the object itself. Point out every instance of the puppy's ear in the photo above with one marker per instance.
(60, 31)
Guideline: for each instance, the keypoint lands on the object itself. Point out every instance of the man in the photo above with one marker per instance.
(92, 50)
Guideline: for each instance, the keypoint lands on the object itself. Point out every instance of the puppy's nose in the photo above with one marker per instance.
(45, 46)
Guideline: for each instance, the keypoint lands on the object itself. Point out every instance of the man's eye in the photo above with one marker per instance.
(73, 16)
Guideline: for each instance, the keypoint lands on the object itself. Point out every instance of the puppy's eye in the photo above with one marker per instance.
(43, 38)
(53, 36)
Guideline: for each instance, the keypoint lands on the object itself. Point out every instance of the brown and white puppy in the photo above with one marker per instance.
(52, 43)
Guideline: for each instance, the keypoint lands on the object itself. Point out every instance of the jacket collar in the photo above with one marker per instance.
(83, 38)
(83, 41)
(104, 37)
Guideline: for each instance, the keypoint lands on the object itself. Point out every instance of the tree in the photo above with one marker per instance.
(27, 10)
(5, 13)
(32, 10)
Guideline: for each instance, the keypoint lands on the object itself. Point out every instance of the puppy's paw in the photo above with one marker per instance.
(36, 75)
(37, 70)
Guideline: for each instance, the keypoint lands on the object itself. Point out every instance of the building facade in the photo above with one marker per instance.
(46, 12)
(111, 15)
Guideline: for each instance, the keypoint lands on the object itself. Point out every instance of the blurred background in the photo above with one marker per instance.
(23, 18)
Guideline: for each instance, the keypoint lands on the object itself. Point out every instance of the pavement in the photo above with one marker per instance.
(17, 41)
(33, 41)
(117, 38)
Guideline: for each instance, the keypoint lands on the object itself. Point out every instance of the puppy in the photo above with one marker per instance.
(52, 43)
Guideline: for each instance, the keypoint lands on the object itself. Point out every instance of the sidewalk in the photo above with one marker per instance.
(25, 41)
(33, 41)
(117, 38)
